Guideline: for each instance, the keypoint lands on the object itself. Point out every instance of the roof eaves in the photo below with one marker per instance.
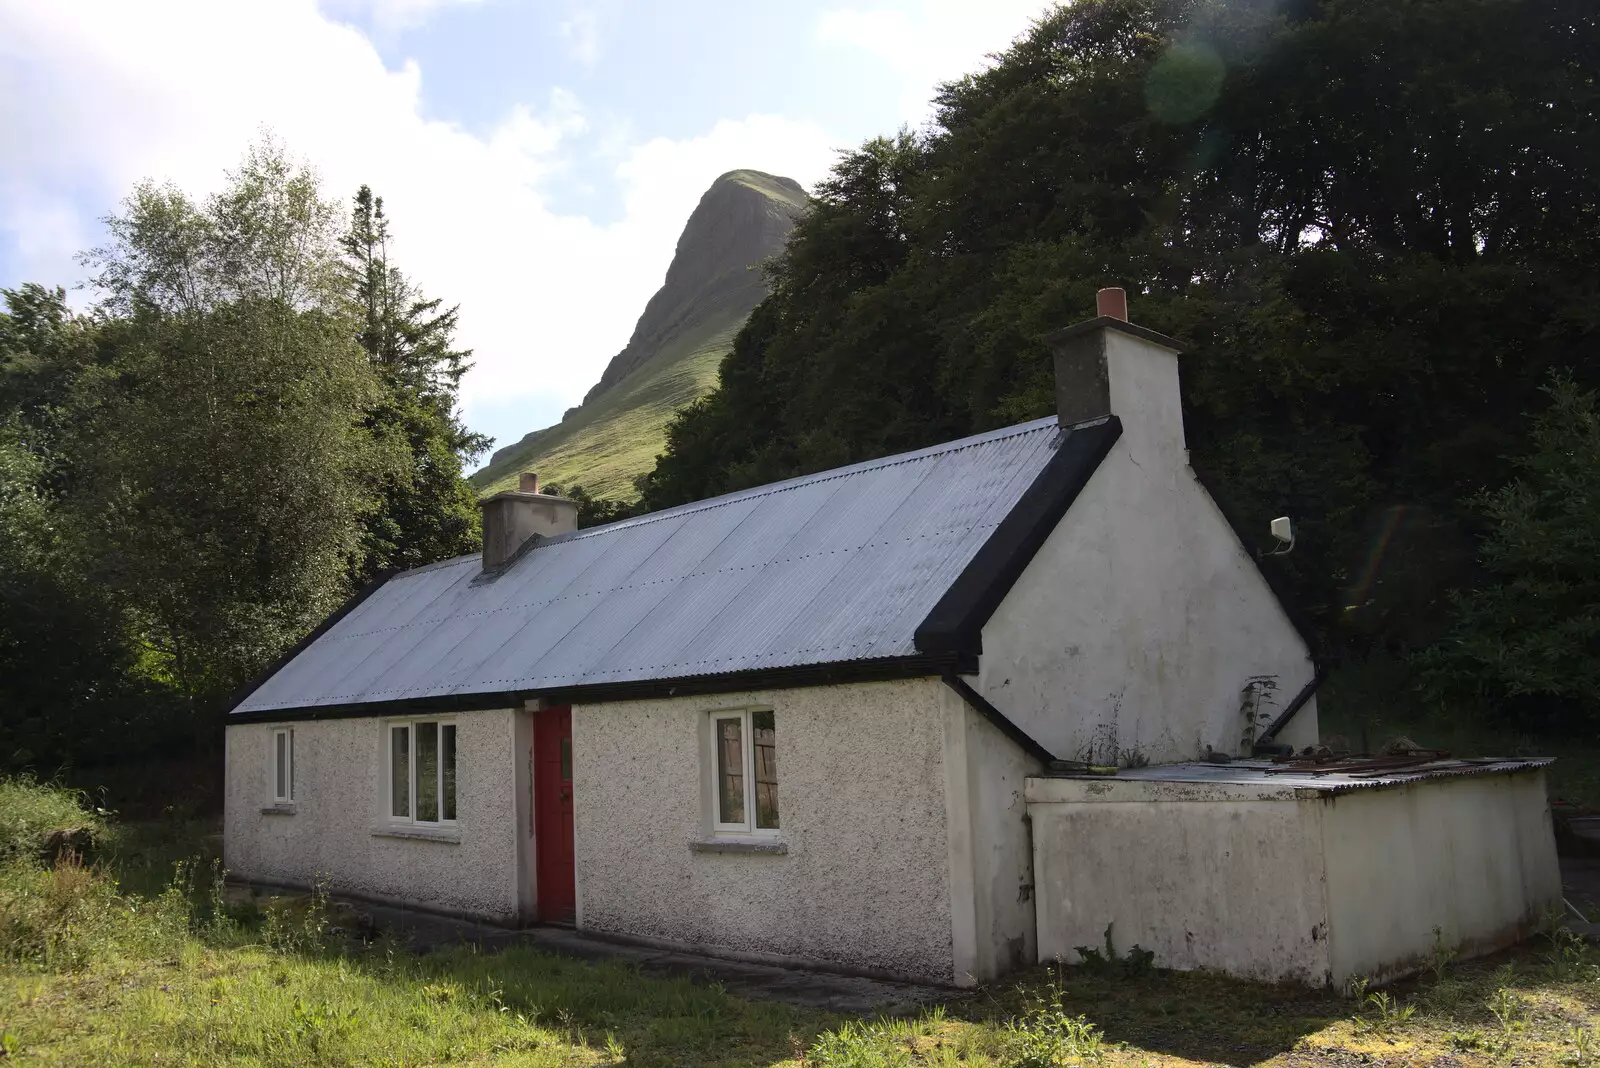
(1107, 322)
(955, 625)
(883, 669)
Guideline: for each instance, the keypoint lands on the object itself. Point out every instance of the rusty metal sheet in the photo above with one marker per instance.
(1327, 779)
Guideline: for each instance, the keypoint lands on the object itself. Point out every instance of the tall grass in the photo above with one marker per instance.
(94, 972)
(31, 811)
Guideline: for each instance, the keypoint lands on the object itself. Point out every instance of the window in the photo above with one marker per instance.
(283, 765)
(745, 792)
(422, 771)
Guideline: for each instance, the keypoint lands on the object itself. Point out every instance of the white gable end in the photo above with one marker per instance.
(1141, 629)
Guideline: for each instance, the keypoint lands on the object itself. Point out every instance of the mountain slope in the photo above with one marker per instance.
(677, 345)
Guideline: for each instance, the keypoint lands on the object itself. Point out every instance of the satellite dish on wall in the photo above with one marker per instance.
(1283, 532)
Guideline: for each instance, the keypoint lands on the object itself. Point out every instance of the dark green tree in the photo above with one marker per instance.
(1526, 645)
(1375, 226)
(429, 512)
(69, 681)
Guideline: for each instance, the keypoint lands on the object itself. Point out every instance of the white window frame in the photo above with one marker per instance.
(714, 773)
(410, 723)
(287, 734)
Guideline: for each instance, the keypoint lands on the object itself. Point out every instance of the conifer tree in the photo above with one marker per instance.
(429, 511)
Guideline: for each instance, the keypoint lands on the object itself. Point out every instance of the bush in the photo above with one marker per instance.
(57, 911)
(44, 821)
(67, 916)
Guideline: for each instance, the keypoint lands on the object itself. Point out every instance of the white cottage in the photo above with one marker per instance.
(793, 723)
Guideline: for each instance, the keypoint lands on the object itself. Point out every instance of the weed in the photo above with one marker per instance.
(1447, 996)
(886, 1041)
(32, 813)
(1385, 1011)
(1441, 958)
(855, 1045)
(1467, 1041)
(298, 925)
(1584, 1046)
(1506, 1008)
(1139, 961)
(1046, 1034)
(1568, 956)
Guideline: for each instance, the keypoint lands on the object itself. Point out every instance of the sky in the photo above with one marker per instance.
(537, 159)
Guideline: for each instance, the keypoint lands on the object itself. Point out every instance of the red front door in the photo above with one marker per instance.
(552, 812)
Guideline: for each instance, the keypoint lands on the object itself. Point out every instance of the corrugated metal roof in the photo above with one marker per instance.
(833, 567)
(1333, 780)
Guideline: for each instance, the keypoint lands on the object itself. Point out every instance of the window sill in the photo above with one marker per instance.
(286, 809)
(448, 835)
(740, 844)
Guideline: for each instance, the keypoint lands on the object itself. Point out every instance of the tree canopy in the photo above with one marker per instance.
(1374, 226)
(257, 415)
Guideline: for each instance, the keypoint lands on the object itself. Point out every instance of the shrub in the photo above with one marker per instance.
(66, 916)
(38, 820)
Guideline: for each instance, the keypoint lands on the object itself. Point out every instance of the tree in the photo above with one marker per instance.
(1527, 640)
(1373, 263)
(259, 412)
(429, 512)
(69, 683)
(267, 236)
(225, 460)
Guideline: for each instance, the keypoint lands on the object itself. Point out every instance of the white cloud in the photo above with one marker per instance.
(94, 96)
(927, 42)
(392, 16)
(583, 28)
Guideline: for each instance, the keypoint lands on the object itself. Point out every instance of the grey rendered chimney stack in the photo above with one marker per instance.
(513, 517)
(1109, 366)
(1085, 353)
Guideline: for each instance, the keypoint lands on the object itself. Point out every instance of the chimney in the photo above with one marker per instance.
(513, 517)
(1109, 366)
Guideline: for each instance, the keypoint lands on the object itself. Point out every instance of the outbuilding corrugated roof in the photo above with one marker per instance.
(835, 567)
(1335, 778)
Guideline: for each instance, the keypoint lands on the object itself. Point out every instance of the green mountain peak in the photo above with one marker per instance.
(677, 346)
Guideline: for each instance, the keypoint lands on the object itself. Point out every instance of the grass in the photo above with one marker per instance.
(108, 965)
(31, 812)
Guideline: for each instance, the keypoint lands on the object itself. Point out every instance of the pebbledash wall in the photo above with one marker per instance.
(1134, 631)
(880, 787)
(337, 829)
(903, 824)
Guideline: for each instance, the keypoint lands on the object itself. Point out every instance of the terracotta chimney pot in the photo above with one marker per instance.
(1112, 302)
